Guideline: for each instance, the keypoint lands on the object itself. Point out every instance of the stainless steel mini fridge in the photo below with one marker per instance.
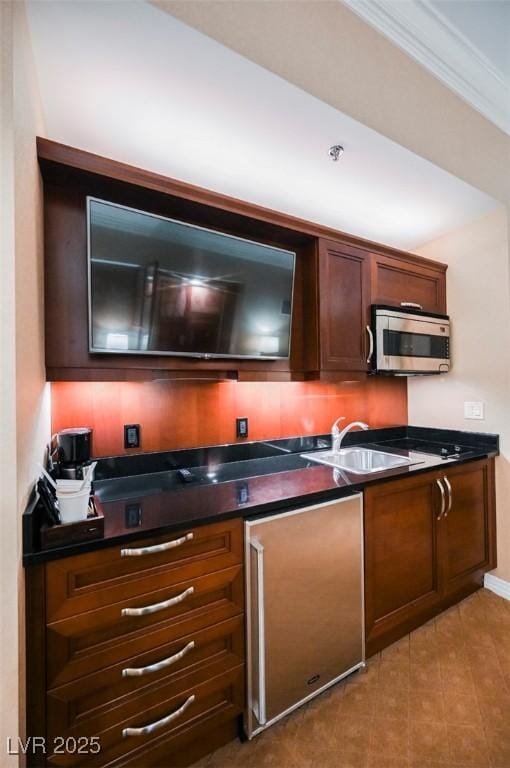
(304, 605)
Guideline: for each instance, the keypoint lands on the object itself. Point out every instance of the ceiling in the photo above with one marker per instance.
(485, 23)
(143, 88)
(465, 43)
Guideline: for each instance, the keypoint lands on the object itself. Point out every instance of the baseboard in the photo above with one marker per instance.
(497, 585)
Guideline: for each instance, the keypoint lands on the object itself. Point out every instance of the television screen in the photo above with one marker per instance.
(159, 286)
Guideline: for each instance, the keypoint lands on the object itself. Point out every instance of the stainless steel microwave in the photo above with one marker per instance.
(409, 341)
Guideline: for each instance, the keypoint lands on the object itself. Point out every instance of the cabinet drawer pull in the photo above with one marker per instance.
(411, 305)
(443, 499)
(450, 495)
(159, 723)
(158, 606)
(163, 664)
(157, 547)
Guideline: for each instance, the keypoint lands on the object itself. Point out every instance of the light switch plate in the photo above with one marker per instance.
(474, 410)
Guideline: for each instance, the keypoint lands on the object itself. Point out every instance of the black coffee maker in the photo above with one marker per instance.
(71, 451)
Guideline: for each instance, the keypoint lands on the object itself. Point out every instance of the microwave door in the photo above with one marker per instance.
(415, 346)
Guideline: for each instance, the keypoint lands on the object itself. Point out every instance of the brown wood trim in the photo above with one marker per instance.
(246, 375)
(35, 635)
(52, 153)
(493, 549)
(71, 373)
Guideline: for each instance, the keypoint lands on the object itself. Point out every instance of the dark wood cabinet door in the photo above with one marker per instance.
(396, 280)
(344, 303)
(401, 557)
(468, 527)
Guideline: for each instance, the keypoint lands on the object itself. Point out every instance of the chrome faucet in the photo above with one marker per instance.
(337, 436)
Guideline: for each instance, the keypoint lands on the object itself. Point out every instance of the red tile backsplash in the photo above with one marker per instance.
(188, 414)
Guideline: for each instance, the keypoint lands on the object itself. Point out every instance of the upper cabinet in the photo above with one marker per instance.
(344, 307)
(337, 277)
(350, 280)
(400, 280)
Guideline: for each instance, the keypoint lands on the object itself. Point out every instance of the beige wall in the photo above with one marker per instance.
(9, 568)
(25, 412)
(324, 48)
(479, 303)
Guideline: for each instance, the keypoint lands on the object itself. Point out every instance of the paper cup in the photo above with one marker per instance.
(71, 486)
(73, 506)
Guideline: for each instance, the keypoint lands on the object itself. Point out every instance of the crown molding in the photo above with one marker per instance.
(427, 36)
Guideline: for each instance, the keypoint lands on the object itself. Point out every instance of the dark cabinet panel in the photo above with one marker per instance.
(429, 540)
(468, 526)
(344, 303)
(399, 280)
(401, 553)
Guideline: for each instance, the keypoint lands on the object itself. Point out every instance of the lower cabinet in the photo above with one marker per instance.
(429, 538)
(136, 654)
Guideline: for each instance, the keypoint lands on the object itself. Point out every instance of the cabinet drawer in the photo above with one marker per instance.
(92, 641)
(86, 582)
(206, 653)
(191, 700)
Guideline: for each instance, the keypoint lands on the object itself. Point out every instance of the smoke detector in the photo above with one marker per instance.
(336, 152)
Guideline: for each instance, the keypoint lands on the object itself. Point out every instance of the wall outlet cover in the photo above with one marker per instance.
(474, 410)
(242, 426)
(131, 435)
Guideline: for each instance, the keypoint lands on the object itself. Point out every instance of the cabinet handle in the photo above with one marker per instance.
(411, 305)
(159, 723)
(443, 499)
(156, 548)
(450, 495)
(371, 344)
(163, 664)
(157, 606)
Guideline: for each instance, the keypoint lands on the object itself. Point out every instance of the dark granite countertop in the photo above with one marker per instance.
(144, 495)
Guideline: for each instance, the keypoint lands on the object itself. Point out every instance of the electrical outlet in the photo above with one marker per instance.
(474, 410)
(242, 426)
(132, 515)
(131, 435)
(243, 492)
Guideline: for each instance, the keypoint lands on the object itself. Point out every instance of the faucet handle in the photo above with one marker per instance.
(334, 428)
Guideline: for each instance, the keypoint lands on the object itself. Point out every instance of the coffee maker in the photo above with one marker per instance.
(71, 452)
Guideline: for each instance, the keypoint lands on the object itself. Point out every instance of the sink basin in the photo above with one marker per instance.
(359, 461)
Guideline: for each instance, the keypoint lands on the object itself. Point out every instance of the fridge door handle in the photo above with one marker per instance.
(259, 707)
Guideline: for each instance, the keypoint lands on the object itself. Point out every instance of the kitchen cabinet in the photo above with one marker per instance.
(344, 307)
(426, 546)
(468, 531)
(400, 279)
(350, 280)
(140, 645)
(402, 579)
(125, 636)
(337, 278)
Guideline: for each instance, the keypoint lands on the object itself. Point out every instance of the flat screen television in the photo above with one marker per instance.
(163, 287)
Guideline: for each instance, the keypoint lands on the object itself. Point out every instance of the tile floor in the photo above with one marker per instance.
(438, 698)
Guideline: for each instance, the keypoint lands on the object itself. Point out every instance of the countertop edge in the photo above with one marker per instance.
(43, 556)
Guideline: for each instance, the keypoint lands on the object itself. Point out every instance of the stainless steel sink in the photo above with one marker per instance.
(359, 461)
